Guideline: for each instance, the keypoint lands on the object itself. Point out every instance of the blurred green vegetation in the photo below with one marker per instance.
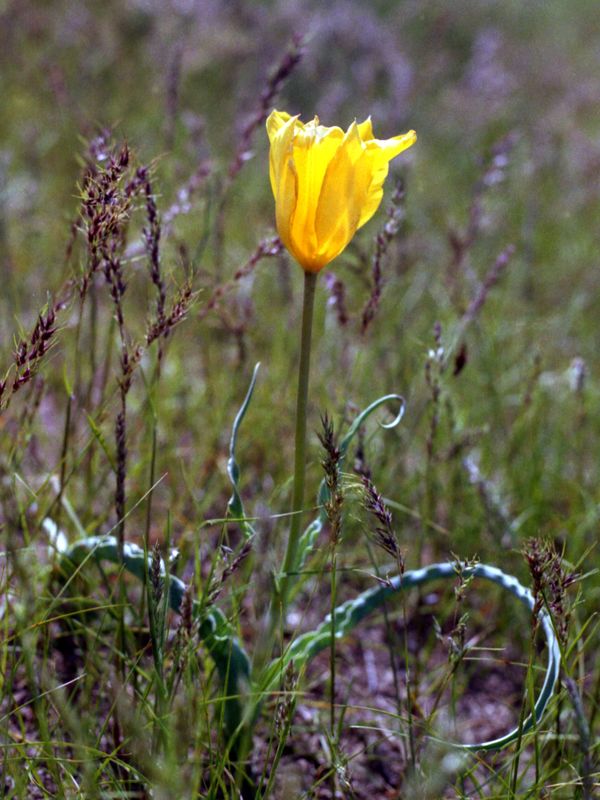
(505, 98)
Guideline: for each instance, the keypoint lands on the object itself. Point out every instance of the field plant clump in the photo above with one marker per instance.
(365, 567)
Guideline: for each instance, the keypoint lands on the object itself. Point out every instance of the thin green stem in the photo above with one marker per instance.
(291, 556)
(67, 427)
(332, 671)
(332, 641)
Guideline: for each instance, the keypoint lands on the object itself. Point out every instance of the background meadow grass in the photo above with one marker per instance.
(486, 322)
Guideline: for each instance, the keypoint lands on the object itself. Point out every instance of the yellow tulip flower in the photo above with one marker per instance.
(326, 183)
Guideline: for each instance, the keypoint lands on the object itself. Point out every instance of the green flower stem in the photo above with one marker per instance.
(291, 557)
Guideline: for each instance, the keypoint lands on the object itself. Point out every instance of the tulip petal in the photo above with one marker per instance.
(284, 179)
(345, 188)
(365, 129)
(394, 146)
(275, 121)
(314, 147)
(282, 135)
(385, 150)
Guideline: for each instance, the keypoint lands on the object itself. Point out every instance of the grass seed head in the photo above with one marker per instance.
(384, 535)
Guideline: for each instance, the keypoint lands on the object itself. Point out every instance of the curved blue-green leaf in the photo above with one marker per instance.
(242, 702)
(235, 507)
(231, 662)
(311, 533)
(352, 613)
(364, 415)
